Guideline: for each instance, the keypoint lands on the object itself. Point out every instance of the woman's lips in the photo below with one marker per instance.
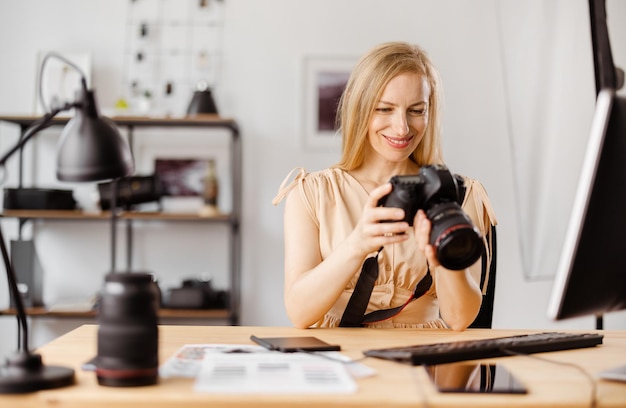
(398, 142)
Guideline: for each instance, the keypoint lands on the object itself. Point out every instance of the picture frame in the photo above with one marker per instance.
(182, 177)
(323, 80)
(183, 182)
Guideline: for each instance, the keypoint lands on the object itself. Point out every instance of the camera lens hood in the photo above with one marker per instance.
(459, 246)
(457, 241)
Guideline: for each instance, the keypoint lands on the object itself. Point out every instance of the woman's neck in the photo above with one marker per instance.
(372, 175)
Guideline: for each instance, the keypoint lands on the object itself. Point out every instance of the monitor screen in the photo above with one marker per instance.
(591, 274)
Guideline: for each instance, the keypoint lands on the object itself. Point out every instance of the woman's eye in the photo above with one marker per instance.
(417, 111)
(383, 110)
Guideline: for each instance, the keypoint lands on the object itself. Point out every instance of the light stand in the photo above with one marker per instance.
(90, 149)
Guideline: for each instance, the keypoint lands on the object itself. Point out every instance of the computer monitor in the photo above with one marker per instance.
(591, 274)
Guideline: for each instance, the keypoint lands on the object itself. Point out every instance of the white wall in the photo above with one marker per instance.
(265, 43)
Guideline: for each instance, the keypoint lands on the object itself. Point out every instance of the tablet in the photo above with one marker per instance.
(464, 377)
(293, 344)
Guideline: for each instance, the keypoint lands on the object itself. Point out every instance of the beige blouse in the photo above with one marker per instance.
(335, 200)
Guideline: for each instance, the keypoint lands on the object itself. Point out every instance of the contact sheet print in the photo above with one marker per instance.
(237, 369)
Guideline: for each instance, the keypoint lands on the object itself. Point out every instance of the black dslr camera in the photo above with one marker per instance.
(439, 193)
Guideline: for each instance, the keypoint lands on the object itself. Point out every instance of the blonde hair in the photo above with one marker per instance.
(364, 89)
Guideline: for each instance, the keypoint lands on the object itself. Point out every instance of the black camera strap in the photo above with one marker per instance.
(354, 315)
(420, 289)
(355, 310)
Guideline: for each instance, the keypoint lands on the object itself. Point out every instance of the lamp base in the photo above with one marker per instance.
(25, 372)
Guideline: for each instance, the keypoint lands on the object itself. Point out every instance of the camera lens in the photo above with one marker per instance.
(128, 331)
(457, 241)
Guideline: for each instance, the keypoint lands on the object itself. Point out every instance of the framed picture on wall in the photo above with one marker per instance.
(182, 177)
(324, 79)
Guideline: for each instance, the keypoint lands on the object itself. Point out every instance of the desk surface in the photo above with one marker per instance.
(395, 384)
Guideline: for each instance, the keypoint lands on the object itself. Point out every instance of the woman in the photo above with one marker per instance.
(390, 123)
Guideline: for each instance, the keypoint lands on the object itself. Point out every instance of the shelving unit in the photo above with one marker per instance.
(231, 314)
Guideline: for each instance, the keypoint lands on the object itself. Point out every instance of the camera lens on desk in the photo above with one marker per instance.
(128, 331)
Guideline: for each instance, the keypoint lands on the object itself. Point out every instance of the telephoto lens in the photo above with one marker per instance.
(456, 240)
(128, 337)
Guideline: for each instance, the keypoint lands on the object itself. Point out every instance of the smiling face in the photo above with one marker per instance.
(400, 118)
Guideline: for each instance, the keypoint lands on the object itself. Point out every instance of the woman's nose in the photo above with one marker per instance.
(400, 124)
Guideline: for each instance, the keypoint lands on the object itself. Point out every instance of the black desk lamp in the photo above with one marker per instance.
(90, 149)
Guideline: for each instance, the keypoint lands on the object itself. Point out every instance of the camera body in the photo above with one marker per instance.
(196, 294)
(439, 193)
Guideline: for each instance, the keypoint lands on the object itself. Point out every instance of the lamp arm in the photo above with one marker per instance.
(41, 124)
(49, 55)
(17, 297)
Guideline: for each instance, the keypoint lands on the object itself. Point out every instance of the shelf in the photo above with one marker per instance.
(203, 120)
(106, 215)
(86, 314)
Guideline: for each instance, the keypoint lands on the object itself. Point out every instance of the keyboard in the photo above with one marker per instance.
(449, 352)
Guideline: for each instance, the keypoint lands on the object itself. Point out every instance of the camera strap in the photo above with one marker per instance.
(354, 315)
(420, 289)
(355, 310)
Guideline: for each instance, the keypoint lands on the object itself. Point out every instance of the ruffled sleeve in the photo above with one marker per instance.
(479, 208)
(286, 186)
(484, 211)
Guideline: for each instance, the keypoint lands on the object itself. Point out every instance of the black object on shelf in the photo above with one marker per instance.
(132, 190)
(28, 272)
(202, 101)
(196, 294)
(38, 199)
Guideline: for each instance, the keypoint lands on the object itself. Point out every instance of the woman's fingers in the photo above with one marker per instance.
(380, 226)
(381, 213)
(422, 236)
(422, 229)
(379, 192)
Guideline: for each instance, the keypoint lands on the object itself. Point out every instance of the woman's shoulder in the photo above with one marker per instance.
(327, 175)
(319, 180)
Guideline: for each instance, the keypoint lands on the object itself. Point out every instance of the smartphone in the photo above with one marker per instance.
(293, 344)
(464, 377)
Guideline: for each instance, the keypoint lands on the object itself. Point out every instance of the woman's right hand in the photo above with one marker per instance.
(379, 226)
(312, 284)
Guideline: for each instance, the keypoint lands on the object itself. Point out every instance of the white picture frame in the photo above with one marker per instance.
(323, 81)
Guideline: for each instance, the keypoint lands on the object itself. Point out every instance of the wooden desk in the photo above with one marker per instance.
(394, 385)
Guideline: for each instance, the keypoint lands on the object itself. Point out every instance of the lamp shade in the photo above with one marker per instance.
(91, 147)
(202, 101)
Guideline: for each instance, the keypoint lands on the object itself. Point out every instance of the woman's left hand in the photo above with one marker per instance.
(458, 292)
